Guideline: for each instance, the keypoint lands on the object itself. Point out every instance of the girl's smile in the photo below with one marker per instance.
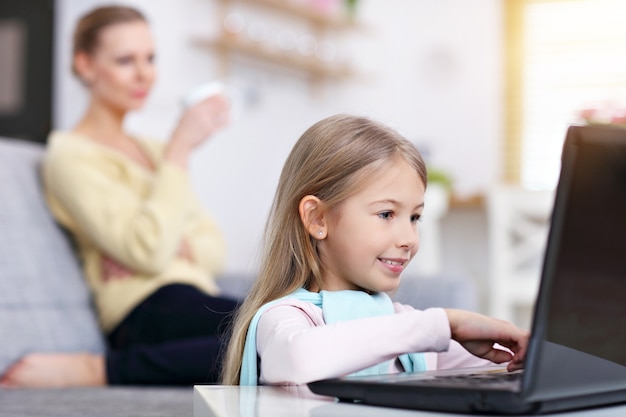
(395, 265)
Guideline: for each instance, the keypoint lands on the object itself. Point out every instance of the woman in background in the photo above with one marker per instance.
(149, 251)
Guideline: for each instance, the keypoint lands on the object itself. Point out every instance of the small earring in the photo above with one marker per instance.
(320, 233)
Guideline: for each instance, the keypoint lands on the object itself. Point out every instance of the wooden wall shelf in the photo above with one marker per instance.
(321, 61)
(474, 201)
(310, 65)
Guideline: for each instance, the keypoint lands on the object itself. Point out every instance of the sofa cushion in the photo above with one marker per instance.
(45, 305)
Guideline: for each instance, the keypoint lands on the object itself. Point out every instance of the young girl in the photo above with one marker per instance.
(342, 228)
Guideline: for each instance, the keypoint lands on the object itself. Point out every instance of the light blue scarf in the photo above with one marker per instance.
(336, 306)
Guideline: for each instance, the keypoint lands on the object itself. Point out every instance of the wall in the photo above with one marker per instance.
(431, 69)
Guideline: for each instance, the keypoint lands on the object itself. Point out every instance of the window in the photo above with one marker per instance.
(563, 56)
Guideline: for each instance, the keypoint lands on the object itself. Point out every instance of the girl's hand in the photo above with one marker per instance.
(478, 334)
(197, 124)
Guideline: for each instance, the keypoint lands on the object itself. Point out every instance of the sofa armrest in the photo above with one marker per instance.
(45, 305)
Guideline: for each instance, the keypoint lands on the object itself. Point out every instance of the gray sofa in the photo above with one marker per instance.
(45, 305)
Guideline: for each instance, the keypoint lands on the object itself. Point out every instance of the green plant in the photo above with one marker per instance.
(438, 176)
(351, 7)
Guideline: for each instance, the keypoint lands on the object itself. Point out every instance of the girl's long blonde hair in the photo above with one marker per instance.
(331, 160)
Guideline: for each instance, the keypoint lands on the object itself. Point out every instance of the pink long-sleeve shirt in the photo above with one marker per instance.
(296, 346)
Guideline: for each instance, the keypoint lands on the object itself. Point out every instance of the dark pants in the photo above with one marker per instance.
(177, 336)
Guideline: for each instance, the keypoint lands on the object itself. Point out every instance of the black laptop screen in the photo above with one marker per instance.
(585, 271)
(588, 312)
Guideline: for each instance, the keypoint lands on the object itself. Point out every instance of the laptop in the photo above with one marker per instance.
(577, 351)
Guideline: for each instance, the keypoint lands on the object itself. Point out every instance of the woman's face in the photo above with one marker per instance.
(120, 72)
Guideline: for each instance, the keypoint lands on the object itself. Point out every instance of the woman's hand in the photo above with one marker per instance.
(478, 334)
(112, 269)
(197, 124)
(185, 252)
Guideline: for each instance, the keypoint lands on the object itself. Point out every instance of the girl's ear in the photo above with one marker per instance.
(313, 216)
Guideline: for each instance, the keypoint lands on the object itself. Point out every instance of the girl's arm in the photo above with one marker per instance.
(480, 340)
(295, 347)
(455, 357)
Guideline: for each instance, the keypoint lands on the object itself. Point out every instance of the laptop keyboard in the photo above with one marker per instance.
(492, 378)
(510, 381)
(485, 376)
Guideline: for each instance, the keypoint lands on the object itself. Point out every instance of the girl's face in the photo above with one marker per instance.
(120, 72)
(372, 236)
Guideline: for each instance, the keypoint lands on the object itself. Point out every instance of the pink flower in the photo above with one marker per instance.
(619, 117)
(588, 114)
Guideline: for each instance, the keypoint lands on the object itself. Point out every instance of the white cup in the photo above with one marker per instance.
(213, 88)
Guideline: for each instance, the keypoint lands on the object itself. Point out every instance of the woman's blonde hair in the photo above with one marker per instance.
(331, 161)
(89, 27)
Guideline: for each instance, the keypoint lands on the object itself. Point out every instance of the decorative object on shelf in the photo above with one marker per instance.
(234, 24)
(326, 7)
(307, 44)
(287, 40)
(258, 31)
(309, 47)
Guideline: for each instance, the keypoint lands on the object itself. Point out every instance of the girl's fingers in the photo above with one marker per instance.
(498, 356)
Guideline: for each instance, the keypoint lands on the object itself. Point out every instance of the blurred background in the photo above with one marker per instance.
(484, 88)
